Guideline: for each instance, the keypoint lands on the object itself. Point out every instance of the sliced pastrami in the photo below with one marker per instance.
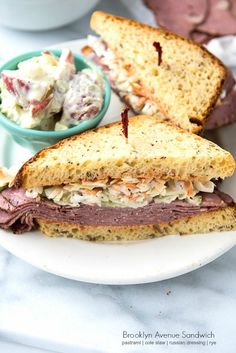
(18, 212)
(200, 20)
(179, 16)
(224, 112)
(220, 21)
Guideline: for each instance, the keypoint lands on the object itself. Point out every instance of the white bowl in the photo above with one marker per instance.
(36, 15)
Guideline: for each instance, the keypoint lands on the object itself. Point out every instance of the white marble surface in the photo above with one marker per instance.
(50, 312)
(54, 314)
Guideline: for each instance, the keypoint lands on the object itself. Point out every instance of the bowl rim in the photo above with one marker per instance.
(84, 125)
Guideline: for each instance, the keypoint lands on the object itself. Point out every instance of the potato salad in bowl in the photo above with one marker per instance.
(46, 92)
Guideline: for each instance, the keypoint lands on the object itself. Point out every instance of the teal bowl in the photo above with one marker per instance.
(37, 139)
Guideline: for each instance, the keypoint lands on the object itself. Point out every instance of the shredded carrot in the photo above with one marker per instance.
(189, 188)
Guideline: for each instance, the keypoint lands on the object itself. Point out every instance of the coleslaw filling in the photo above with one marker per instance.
(124, 84)
(125, 192)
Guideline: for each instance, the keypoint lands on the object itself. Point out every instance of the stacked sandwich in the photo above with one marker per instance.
(188, 83)
(96, 186)
(146, 176)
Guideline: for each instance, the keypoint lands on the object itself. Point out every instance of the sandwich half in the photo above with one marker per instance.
(158, 72)
(99, 186)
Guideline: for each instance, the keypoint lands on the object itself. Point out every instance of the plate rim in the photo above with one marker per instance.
(124, 281)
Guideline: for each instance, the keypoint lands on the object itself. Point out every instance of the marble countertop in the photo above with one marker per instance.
(46, 311)
(40, 312)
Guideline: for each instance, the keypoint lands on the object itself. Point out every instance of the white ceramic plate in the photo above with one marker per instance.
(117, 263)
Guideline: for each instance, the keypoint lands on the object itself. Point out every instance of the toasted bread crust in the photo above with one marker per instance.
(132, 41)
(154, 149)
(213, 221)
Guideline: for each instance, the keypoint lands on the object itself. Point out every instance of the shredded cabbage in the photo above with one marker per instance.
(125, 192)
(121, 81)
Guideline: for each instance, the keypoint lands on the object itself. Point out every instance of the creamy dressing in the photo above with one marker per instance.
(125, 192)
(83, 100)
(123, 83)
(37, 94)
